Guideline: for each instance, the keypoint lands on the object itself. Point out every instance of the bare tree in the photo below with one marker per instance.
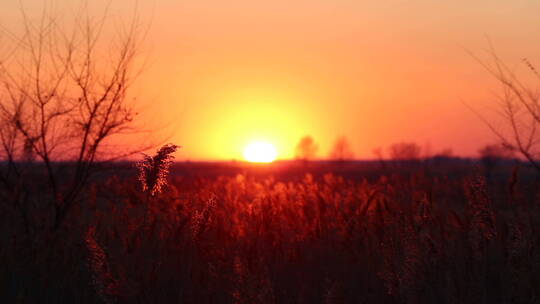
(405, 151)
(518, 107)
(306, 149)
(341, 150)
(63, 94)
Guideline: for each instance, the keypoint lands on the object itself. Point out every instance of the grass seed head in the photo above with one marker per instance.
(153, 170)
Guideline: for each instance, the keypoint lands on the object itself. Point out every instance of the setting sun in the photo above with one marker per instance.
(270, 151)
(260, 152)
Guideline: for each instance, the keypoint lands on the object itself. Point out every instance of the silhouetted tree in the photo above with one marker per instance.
(306, 149)
(405, 151)
(519, 108)
(341, 150)
(63, 94)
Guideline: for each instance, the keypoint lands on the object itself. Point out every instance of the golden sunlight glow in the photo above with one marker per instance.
(260, 152)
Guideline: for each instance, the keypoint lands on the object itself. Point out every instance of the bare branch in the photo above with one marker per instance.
(62, 100)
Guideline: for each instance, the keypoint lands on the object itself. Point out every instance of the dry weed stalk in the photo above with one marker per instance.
(482, 224)
(105, 284)
(153, 170)
(201, 220)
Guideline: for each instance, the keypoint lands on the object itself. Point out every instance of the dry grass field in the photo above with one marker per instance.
(285, 233)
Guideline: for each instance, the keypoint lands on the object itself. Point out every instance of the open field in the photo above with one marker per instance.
(284, 233)
(269, 151)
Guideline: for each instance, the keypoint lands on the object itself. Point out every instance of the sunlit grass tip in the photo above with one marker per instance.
(153, 170)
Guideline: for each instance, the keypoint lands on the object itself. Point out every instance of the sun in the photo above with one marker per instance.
(260, 152)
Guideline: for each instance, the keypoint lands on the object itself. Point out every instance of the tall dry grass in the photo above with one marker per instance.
(319, 239)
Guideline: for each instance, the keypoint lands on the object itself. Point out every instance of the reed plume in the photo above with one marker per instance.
(106, 286)
(153, 170)
(482, 223)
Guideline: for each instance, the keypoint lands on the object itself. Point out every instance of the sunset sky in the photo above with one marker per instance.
(222, 74)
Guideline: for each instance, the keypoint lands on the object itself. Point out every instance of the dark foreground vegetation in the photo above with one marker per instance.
(304, 233)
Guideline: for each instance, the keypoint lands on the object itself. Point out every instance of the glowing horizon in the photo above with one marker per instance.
(221, 74)
(260, 152)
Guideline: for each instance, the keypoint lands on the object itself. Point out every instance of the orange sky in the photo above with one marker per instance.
(223, 73)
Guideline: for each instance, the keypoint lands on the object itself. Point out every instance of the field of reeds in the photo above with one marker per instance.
(423, 235)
